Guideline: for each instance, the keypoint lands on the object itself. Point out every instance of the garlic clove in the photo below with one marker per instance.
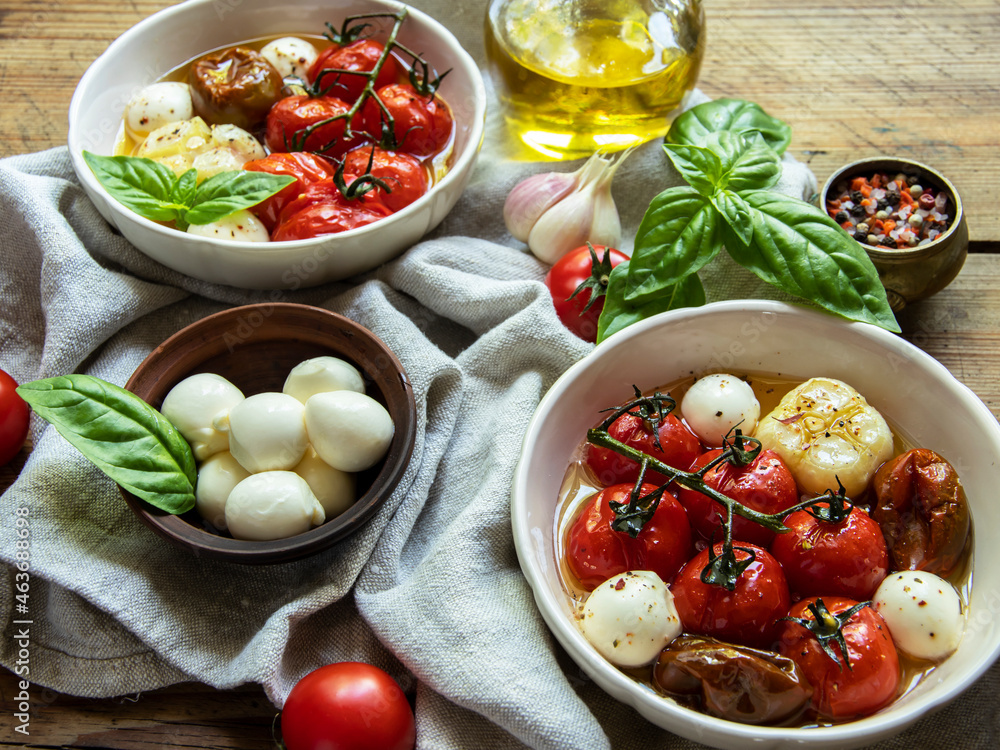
(567, 225)
(532, 197)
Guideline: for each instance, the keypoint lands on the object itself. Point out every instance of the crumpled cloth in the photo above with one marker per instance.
(430, 588)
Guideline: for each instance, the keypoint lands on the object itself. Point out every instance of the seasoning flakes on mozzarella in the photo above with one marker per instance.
(239, 226)
(715, 404)
(923, 612)
(630, 618)
(290, 56)
(157, 105)
(825, 430)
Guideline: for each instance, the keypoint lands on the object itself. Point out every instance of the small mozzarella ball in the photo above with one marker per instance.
(630, 618)
(824, 430)
(272, 505)
(216, 479)
(335, 489)
(240, 226)
(157, 105)
(198, 407)
(350, 431)
(267, 432)
(923, 612)
(237, 140)
(290, 56)
(322, 374)
(715, 404)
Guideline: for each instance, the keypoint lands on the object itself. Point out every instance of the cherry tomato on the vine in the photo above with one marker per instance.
(595, 551)
(326, 217)
(406, 177)
(305, 167)
(422, 124)
(748, 615)
(14, 419)
(849, 558)
(842, 692)
(678, 448)
(575, 279)
(764, 485)
(293, 124)
(347, 706)
(359, 56)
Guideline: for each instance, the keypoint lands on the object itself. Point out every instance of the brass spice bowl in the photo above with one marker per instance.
(913, 274)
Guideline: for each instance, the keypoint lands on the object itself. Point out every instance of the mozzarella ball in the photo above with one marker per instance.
(272, 505)
(630, 618)
(217, 477)
(715, 404)
(267, 432)
(335, 489)
(350, 431)
(322, 374)
(923, 612)
(198, 407)
(240, 226)
(157, 105)
(290, 56)
(824, 430)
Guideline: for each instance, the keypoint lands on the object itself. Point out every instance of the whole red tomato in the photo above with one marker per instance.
(347, 706)
(849, 558)
(306, 168)
(422, 124)
(678, 448)
(578, 281)
(326, 217)
(299, 123)
(14, 419)
(764, 485)
(595, 551)
(360, 56)
(406, 177)
(749, 614)
(839, 692)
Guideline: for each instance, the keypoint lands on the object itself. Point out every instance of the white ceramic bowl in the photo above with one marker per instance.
(915, 393)
(177, 34)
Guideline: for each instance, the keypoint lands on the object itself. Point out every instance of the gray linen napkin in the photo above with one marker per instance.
(430, 588)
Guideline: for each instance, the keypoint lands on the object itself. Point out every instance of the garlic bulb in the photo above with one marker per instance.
(556, 212)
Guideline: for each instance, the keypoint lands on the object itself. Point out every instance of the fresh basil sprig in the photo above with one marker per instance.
(121, 435)
(728, 151)
(154, 192)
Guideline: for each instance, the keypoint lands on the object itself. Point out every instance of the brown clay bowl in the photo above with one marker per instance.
(255, 347)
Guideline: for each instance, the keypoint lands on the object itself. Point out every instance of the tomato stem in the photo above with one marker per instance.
(828, 628)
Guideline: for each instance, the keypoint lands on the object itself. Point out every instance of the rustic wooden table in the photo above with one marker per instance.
(852, 79)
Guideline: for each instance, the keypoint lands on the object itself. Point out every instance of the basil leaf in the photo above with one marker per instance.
(618, 313)
(698, 165)
(798, 248)
(737, 214)
(748, 163)
(121, 434)
(738, 115)
(185, 187)
(141, 185)
(228, 192)
(677, 236)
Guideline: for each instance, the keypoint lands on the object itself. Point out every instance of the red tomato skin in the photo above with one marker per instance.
(306, 168)
(595, 552)
(406, 177)
(325, 217)
(846, 559)
(765, 485)
(871, 683)
(360, 55)
(748, 615)
(565, 276)
(680, 447)
(347, 706)
(15, 417)
(422, 124)
(294, 114)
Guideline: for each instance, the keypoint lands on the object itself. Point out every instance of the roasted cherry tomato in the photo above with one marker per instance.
(764, 485)
(595, 551)
(299, 123)
(361, 57)
(422, 125)
(923, 512)
(846, 559)
(347, 706)
(326, 217)
(405, 176)
(14, 419)
(306, 168)
(678, 448)
(578, 281)
(749, 614)
(842, 692)
(237, 86)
